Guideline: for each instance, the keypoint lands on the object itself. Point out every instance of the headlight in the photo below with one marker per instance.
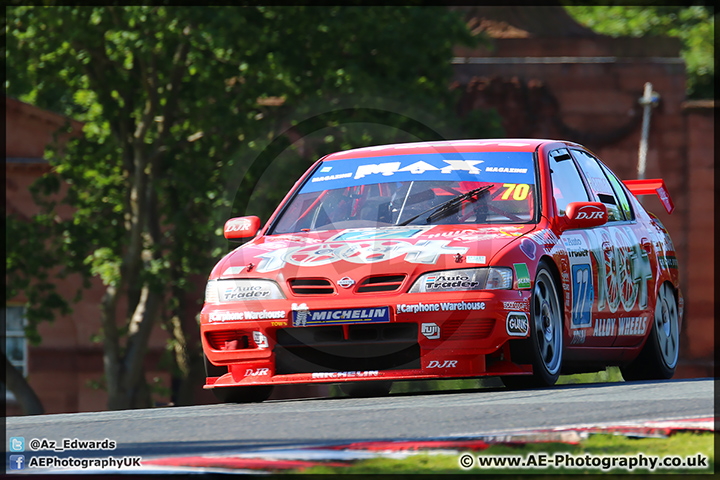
(499, 278)
(241, 290)
(467, 279)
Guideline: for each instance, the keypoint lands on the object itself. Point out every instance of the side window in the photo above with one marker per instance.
(567, 185)
(619, 193)
(599, 184)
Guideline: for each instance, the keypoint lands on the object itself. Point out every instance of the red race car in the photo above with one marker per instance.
(517, 258)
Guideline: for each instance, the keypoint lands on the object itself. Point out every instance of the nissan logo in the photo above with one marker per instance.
(346, 282)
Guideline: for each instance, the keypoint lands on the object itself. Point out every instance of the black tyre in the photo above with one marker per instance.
(251, 394)
(213, 370)
(543, 349)
(659, 356)
(366, 389)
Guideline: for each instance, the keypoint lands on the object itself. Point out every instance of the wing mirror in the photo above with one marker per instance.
(584, 215)
(241, 227)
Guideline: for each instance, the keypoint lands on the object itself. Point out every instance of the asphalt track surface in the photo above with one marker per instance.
(228, 427)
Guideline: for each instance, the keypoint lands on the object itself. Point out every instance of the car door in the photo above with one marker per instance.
(580, 267)
(624, 264)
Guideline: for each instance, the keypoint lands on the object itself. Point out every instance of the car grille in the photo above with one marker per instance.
(384, 283)
(367, 347)
(468, 329)
(227, 339)
(311, 286)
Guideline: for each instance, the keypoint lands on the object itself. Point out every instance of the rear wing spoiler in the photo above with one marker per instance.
(653, 186)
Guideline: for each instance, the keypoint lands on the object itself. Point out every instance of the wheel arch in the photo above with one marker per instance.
(555, 271)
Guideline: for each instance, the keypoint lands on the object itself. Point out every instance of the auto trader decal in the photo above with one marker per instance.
(366, 252)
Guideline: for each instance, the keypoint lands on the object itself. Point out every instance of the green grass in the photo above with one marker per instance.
(681, 444)
(609, 375)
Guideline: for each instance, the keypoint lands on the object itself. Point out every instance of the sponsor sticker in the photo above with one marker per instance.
(523, 306)
(517, 324)
(479, 259)
(233, 316)
(442, 364)
(668, 261)
(430, 330)
(366, 373)
(380, 233)
(632, 325)
(238, 225)
(246, 292)
(500, 167)
(450, 282)
(582, 284)
(233, 271)
(590, 212)
(260, 340)
(439, 307)
(523, 275)
(528, 247)
(341, 317)
(604, 327)
(361, 252)
(578, 337)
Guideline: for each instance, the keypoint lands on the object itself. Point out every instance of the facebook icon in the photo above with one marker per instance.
(17, 462)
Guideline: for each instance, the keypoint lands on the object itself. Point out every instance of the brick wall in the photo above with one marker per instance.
(698, 335)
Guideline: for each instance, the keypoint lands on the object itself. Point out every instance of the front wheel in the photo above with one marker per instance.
(659, 356)
(366, 389)
(543, 349)
(251, 394)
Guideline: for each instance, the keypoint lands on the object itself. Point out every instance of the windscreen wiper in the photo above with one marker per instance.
(443, 208)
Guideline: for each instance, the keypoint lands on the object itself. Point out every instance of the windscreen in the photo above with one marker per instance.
(418, 189)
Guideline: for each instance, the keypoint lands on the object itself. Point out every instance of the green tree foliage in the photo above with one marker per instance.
(191, 111)
(693, 24)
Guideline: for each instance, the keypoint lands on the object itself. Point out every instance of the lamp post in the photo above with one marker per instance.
(648, 100)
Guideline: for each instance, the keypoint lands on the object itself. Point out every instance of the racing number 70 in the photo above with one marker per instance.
(519, 191)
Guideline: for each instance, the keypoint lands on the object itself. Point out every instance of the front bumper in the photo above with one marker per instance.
(425, 336)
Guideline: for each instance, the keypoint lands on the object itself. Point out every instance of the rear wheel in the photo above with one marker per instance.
(543, 349)
(366, 389)
(659, 356)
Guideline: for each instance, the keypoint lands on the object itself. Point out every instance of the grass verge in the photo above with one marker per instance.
(690, 448)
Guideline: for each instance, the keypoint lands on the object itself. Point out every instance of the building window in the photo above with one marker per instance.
(15, 344)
